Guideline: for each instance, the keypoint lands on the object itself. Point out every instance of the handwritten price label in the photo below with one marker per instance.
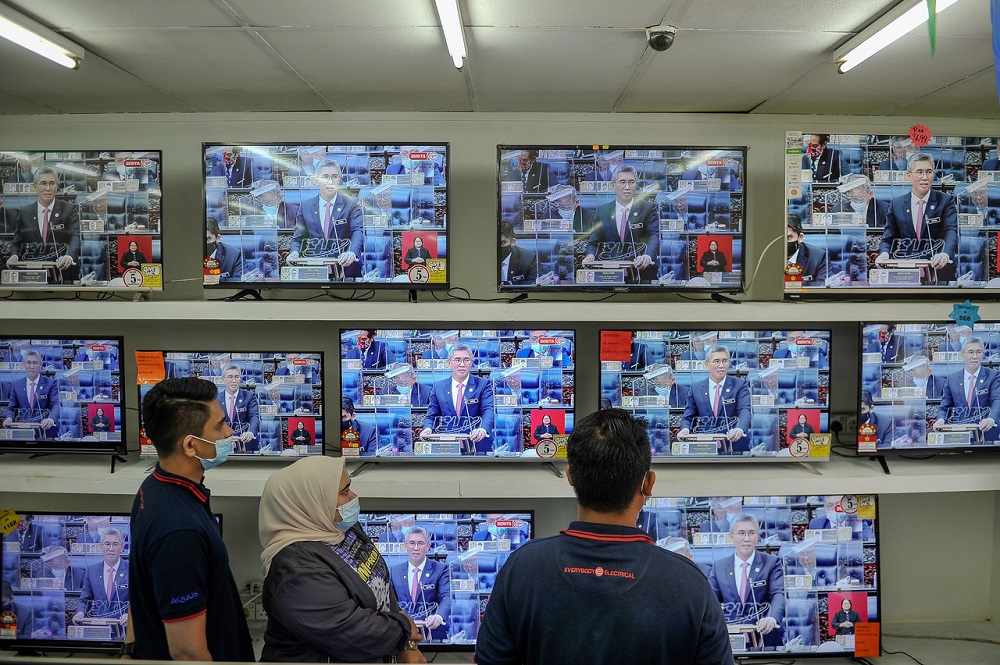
(920, 135)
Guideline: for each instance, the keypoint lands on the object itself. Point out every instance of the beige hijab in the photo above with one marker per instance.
(298, 504)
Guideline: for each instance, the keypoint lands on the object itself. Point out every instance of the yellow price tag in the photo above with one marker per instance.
(820, 445)
(8, 522)
(866, 506)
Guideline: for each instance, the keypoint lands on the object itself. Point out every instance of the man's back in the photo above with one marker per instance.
(598, 593)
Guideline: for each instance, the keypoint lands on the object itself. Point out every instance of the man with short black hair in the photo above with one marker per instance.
(640, 603)
(184, 601)
(372, 352)
(367, 434)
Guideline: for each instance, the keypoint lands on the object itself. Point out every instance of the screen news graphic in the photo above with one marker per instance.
(931, 387)
(60, 395)
(640, 218)
(889, 214)
(458, 556)
(811, 583)
(319, 215)
(273, 400)
(456, 393)
(709, 394)
(70, 219)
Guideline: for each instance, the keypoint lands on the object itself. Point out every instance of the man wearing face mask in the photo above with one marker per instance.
(228, 259)
(370, 351)
(566, 204)
(833, 516)
(792, 349)
(661, 382)
(536, 349)
(518, 267)
(811, 260)
(401, 380)
(861, 199)
(184, 601)
(367, 434)
(272, 203)
(441, 345)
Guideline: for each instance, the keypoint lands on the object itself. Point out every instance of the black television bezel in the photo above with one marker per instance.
(332, 286)
(76, 447)
(476, 459)
(160, 235)
(762, 459)
(621, 288)
(467, 648)
(234, 457)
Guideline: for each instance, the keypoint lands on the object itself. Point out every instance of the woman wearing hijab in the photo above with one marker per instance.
(327, 590)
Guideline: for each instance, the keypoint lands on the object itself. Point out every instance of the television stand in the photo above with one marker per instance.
(882, 462)
(245, 294)
(718, 297)
(115, 458)
(518, 298)
(412, 294)
(362, 467)
(553, 468)
(810, 467)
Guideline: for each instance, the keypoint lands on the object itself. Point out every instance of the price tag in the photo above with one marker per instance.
(866, 506)
(920, 135)
(866, 639)
(149, 368)
(616, 345)
(965, 313)
(8, 522)
(819, 445)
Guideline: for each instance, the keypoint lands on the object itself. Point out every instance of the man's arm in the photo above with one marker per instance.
(301, 231)
(949, 217)
(486, 409)
(72, 222)
(356, 226)
(54, 401)
(743, 411)
(651, 223)
(187, 639)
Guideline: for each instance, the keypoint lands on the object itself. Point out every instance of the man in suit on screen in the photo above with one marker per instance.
(993, 163)
(462, 403)
(518, 267)
(229, 258)
(423, 586)
(235, 167)
(372, 353)
(972, 394)
(920, 374)
(367, 434)
(720, 403)
(400, 379)
(105, 589)
(633, 224)
(812, 260)
(976, 201)
(923, 214)
(330, 217)
(48, 229)
(567, 206)
(34, 399)
(861, 199)
(887, 344)
(821, 159)
(242, 410)
(661, 382)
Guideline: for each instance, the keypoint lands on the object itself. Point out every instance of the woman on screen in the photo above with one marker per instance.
(713, 260)
(801, 429)
(846, 618)
(300, 435)
(100, 422)
(133, 258)
(418, 254)
(327, 590)
(545, 430)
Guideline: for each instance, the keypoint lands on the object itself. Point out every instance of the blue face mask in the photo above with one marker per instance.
(223, 447)
(495, 531)
(349, 513)
(662, 390)
(859, 207)
(537, 348)
(404, 390)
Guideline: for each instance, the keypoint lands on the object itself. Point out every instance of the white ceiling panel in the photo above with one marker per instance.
(843, 16)
(337, 13)
(976, 97)
(631, 15)
(81, 14)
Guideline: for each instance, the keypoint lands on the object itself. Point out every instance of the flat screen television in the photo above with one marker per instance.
(81, 218)
(276, 398)
(772, 402)
(60, 395)
(323, 215)
(814, 569)
(862, 222)
(915, 393)
(561, 226)
(465, 551)
(397, 393)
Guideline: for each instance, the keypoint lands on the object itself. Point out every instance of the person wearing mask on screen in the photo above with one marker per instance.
(442, 343)
(518, 267)
(29, 535)
(976, 201)
(401, 379)
(609, 470)
(566, 202)
(367, 434)
(229, 259)
(724, 511)
(923, 214)
(699, 342)
(861, 200)
(235, 167)
(49, 222)
(34, 399)
(751, 584)
(105, 589)
(608, 161)
(920, 374)
(637, 356)
(811, 260)
(631, 221)
(720, 399)
(792, 349)
(242, 410)
(191, 611)
(536, 349)
(956, 338)
(423, 586)
(901, 148)
(972, 394)
(887, 344)
(132, 258)
(712, 260)
(462, 403)
(405, 164)
(56, 563)
(272, 203)
(330, 216)
(534, 174)
(661, 382)
(372, 353)
(821, 159)
(327, 591)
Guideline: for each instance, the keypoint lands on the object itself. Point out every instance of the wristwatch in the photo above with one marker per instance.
(411, 645)
(128, 649)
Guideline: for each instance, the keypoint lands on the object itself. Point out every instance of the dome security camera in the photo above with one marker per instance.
(660, 37)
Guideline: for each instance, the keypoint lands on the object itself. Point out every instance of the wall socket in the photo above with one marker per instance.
(844, 423)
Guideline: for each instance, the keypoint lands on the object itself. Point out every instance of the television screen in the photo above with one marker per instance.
(709, 394)
(813, 573)
(60, 395)
(399, 393)
(80, 218)
(620, 218)
(459, 555)
(915, 388)
(879, 214)
(273, 400)
(311, 215)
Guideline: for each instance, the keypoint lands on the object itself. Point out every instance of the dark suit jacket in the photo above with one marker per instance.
(127, 257)
(246, 415)
(304, 433)
(991, 164)
(891, 165)
(842, 616)
(715, 526)
(94, 595)
(879, 433)
(434, 596)
(891, 352)
(375, 357)
(987, 397)
(812, 260)
(826, 167)
(523, 268)
(420, 395)
(414, 253)
(64, 229)
(874, 214)
(230, 262)
(347, 223)
(678, 394)
(935, 385)
(367, 437)
(240, 175)
(536, 180)
(643, 227)
(31, 539)
(544, 429)
(708, 256)
(583, 220)
(735, 403)
(477, 402)
(638, 359)
(100, 424)
(797, 429)
(899, 224)
(767, 585)
(991, 216)
(46, 404)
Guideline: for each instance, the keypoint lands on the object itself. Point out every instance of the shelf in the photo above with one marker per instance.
(69, 475)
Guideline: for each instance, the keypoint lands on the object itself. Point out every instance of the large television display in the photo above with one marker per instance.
(620, 218)
(459, 555)
(273, 400)
(813, 573)
(399, 399)
(322, 215)
(915, 388)
(881, 214)
(60, 395)
(80, 218)
(723, 394)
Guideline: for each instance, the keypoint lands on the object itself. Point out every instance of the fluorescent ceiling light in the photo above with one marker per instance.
(451, 25)
(891, 26)
(34, 36)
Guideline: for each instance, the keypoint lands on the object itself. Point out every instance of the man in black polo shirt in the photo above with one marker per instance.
(185, 604)
(601, 591)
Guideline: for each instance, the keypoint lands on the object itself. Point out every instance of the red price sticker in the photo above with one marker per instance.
(616, 345)
(920, 135)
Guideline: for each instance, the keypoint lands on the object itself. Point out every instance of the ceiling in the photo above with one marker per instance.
(730, 56)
